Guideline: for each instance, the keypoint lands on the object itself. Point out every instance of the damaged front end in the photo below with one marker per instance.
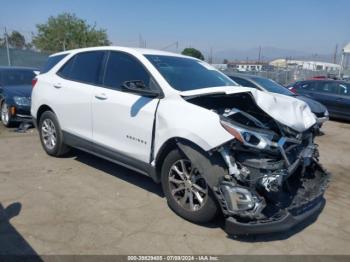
(274, 178)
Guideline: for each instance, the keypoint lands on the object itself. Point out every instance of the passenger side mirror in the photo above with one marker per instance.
(138, 87)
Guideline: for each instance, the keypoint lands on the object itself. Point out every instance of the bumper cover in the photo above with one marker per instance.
(321, 120)
(287, 222)
(22, 114)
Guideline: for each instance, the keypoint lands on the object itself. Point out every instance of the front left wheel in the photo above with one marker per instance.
(186, 190)
(51, 136)
(5, 115)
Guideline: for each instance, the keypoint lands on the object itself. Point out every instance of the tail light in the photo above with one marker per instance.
(293, 89)
(34, 80)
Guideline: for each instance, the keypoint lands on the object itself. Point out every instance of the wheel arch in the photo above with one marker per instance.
(169, 145)
(41, 110)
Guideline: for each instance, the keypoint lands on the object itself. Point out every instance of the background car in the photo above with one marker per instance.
(269, 85)
(334, 94)
(15, 94)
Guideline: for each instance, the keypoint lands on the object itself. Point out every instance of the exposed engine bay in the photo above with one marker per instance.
(273, 170)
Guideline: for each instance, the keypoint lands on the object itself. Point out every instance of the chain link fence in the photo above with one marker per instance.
(288, 76)
(31, 58)
(22, 57)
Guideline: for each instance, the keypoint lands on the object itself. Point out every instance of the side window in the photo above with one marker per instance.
(84, 67)
(310, 86)
(243, 82)
(328, 87)
(66, 69)
(122, 67)
(51, 62)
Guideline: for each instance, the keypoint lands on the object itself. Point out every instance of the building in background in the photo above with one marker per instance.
(249, 66)
(305, 65)
(221, 67)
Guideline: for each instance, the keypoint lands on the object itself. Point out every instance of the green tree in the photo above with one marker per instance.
(17, 40)
(67, 31)
(193, 52)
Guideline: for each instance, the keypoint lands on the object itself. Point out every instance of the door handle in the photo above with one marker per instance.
(101, 96)
(57, 86)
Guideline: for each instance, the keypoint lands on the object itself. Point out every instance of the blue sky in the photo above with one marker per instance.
(309, 25)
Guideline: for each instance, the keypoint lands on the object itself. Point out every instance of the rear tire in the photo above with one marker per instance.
(190, 189)
(51, 136)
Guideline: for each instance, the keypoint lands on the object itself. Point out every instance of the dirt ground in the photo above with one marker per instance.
(81, 204)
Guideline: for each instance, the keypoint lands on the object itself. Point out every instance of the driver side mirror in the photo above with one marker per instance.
(138, 87)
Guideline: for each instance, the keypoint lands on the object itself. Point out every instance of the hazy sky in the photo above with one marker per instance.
(309, 25)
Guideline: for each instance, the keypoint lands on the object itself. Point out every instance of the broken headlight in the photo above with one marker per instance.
(251, 138)
(238, 198)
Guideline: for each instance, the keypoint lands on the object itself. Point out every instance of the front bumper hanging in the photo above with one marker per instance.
(284, 223)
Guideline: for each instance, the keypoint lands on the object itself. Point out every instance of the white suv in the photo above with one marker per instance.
(215, 147)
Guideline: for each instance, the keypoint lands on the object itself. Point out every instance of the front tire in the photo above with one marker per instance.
(186, 191)
(51, 136)
(5, 115)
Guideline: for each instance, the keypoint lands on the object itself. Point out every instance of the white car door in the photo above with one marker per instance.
(73, 91)
(123, 122)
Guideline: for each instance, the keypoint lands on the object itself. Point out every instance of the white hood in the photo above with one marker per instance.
(289, 111)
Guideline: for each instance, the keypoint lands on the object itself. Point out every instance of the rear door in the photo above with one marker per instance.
(123, 122)
(72, 92)
(343, 100)
(325, 92)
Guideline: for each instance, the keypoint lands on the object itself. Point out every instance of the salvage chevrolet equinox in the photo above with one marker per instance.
(215, 147)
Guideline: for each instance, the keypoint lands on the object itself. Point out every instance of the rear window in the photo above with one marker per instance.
(51, 62)
(16, 77)
(84, 67)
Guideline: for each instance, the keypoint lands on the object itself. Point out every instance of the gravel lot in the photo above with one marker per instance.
(81, 204)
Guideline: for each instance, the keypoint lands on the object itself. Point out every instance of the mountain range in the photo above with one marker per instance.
(268, 54)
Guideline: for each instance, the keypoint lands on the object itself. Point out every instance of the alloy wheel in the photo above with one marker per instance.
(48, 133)
(5, 118)
(187, 186)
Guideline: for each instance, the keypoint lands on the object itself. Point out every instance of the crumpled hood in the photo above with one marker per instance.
(289, 111)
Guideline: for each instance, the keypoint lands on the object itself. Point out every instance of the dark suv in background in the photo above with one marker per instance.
(335, 95)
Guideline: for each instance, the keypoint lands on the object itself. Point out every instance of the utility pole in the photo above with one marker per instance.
(140, 41)
(7, 48)
(335, 54)
(211, 56)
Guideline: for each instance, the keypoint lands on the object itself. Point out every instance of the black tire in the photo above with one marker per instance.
(8, 121)
(59, 148)
(203, 215)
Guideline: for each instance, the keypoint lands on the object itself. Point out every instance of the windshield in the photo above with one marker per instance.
(186, 74)
(272, 86)
(16, 77)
